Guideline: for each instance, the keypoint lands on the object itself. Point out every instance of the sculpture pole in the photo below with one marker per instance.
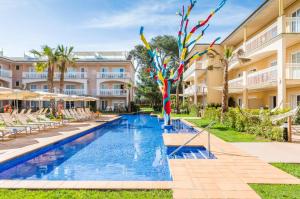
(165, 74)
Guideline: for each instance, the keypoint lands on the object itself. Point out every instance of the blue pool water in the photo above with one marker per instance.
(130, 148)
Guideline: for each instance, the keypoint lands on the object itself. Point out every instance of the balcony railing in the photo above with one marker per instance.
(112, 75)
(5, 73)
(75, 91)
(192, 68)
(191, 90)
(262, 78)
(293, 71)
(44, 75)
(293, 24)
(112, 92)
(66, 91)
(236, 83)
(262, 38)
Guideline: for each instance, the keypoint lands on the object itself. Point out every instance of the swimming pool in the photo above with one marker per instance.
(130, 148)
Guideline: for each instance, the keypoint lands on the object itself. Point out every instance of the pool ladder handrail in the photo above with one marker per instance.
(192, 138)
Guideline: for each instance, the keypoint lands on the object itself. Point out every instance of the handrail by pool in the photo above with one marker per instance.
(192, 138)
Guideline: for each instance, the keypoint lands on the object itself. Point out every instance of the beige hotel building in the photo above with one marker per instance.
(105, 75)
(266, 74)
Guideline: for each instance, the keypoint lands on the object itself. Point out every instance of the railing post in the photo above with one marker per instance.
(208, 142)
(289, 129)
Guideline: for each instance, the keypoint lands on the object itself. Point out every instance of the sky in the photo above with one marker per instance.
(103, 25)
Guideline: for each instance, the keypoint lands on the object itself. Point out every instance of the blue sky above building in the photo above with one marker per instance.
(106, 24)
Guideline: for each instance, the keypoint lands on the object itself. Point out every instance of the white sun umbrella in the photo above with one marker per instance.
(4, 90)
(17, 95)
(89, 99)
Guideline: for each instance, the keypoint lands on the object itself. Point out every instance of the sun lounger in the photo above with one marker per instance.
(11, 124)
(4, 131)
(23, 120)
(67, 115)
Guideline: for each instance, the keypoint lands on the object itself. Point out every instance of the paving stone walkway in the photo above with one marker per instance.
(272, 151)
(227, 176)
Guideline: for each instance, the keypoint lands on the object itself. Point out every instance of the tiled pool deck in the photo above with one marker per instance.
(225, 177)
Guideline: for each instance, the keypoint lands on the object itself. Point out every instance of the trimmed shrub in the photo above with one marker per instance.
(253, 121)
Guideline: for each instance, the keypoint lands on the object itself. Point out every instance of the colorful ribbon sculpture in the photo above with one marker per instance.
(160, 68)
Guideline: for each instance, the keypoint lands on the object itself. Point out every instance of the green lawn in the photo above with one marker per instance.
(293, 169)
(147, 110)
(177, 115)
(83, 194)
(227, 134)
(277, 191)
(267, 191)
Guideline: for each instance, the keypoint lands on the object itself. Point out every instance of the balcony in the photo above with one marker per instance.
(261, 39)
(293, 24)
(192, 69)
(262, 78)
(112, 92)
(6, 75)
(75, 91)
(262, 42)
(112, 75)
(44, 75)
(191, 90)
(293, 71)
(236, 83)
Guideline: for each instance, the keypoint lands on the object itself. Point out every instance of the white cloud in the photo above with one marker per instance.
(144, 14)
(162, 14)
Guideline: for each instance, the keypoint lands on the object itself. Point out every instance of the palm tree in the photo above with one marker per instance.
(66, 58)
(225, 60)
(50, 64)
(129, 86)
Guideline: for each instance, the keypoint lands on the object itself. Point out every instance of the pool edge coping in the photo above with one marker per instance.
(86, 185)
(31, 148)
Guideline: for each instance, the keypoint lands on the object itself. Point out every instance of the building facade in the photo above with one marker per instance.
(202, 77)
(105, 75)
(265, 69)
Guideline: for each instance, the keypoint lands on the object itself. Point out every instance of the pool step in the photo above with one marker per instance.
(191, 153)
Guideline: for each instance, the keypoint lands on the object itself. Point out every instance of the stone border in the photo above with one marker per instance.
(87, 185)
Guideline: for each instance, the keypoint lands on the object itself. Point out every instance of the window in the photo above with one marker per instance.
(45, 88)
(33, 87)
(240, 102)
(69, 104)
(104, 69)
(82, 73)
(296, 23)
(68, 87)
(17, 67)
(104, 86)
(296, 13)
(32, 69)
(17, 83)
(295, 100)
(296, 57)
(273, 63)
(252, 70)
(273, 102)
